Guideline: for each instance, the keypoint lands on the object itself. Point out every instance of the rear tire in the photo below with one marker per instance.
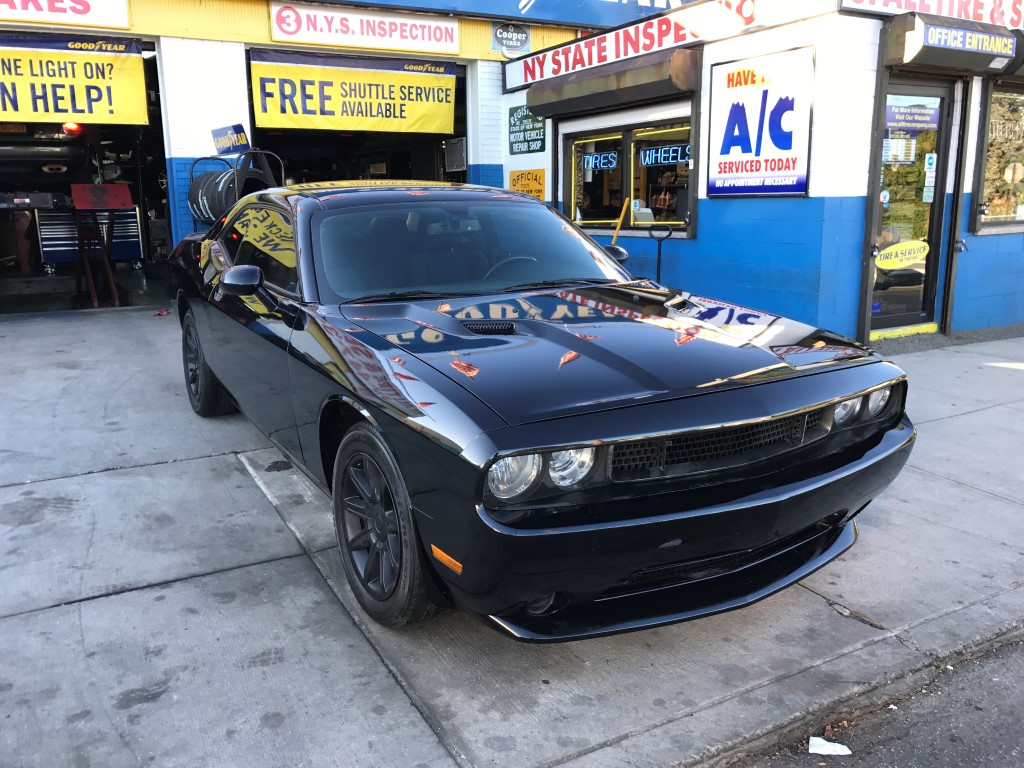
(206, 395)
(376, 532)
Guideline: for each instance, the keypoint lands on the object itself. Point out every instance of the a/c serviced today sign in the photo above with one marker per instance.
(760, 133)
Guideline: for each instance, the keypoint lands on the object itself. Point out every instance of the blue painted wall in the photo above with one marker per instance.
(797, 257)
(989, 288)
(182, 222)
(488, 175)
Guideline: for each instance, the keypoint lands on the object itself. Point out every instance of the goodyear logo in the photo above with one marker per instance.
(902, 254)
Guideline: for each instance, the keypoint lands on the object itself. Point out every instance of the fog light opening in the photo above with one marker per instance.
(856, 512)
(546, 604)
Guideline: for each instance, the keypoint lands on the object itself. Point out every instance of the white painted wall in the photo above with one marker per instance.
(203, 85)
(483, 112)
(533, 160)
(974, 154)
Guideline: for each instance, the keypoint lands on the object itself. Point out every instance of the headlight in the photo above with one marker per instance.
(511, 476)
(567, 468)
(847, 411)
(878, 399)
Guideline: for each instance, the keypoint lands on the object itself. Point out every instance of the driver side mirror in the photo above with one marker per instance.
(617, 252)
(241, 280)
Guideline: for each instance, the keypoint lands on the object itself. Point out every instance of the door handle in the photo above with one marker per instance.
(874, 251)
(960, 246)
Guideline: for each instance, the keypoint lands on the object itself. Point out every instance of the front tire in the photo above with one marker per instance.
(206, 395)
(376, 532)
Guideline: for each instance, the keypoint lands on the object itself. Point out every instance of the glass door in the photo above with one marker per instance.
(910, 204)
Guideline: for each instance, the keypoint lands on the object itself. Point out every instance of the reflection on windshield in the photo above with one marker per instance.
(450, 247)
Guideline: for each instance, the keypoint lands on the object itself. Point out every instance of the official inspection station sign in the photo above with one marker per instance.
(761, 125)
(319, 91)
(57, 79)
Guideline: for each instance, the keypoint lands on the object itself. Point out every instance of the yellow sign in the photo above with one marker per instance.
(308, 90)
(902, 254)
(60, 80)
(529, 182)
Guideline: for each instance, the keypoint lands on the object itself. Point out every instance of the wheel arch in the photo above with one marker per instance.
(181, 304)
(338, 416)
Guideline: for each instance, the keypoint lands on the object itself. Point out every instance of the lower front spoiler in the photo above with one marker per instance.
(655, 608)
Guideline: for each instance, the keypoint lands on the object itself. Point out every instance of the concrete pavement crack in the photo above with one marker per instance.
(928, 661)
(141, 587)
(919, 422)
(432, 722)
(846, 611)
(965, 485)
(118, 468)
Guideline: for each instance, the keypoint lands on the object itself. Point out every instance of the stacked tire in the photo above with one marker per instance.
(212, 193)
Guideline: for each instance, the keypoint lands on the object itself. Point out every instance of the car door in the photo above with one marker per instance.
(251, 334)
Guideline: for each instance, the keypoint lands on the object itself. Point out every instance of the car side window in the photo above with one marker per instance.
(263, 236)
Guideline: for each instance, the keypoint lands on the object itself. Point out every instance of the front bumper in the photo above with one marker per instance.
(671, 566)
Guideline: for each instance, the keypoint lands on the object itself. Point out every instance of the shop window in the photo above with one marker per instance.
(1002, 200)
(661, 175)
(596, 196)
(645, 171)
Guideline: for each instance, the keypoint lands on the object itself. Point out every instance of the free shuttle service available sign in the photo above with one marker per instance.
(54, 80)
(761, 125)
(311, 90)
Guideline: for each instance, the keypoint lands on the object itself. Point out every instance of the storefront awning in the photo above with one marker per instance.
(921, 41)
(660, 75)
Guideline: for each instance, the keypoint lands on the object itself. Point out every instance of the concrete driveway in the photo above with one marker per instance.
(170, 592)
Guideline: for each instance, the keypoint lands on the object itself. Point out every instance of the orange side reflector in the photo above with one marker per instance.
(447, 559)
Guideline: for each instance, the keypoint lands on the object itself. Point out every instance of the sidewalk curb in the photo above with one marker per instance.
(871, 698)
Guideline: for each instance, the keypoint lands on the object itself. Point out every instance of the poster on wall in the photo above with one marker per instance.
(528, 182)
(761, 125)
(54, 80)
(319, 91)
(526, 132)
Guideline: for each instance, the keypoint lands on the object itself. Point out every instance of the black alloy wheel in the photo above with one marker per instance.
(193, 359)
(377, 540)
(206, 395)
(370, 526)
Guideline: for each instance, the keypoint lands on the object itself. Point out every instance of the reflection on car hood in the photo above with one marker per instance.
(539, 355)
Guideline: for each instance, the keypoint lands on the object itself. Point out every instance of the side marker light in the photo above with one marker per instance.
(447, 559)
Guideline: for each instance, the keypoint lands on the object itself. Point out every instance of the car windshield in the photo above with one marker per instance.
(444, 247)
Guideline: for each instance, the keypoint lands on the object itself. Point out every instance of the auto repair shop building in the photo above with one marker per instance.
(339, 90)
(856, 164)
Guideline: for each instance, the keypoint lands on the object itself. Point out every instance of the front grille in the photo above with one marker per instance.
(710, 449)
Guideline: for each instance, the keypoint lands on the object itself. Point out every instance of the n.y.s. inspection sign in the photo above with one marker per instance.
(761, 125)
(60, 79)
(309, 90)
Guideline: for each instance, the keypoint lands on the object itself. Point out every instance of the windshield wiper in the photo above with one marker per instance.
(561, 281)
(407, 296)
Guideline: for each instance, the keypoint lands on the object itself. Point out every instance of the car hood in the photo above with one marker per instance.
(546, 354)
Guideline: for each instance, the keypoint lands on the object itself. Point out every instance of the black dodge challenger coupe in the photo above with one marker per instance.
(511, 423)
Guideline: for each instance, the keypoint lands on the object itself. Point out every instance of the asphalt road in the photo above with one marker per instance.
(969, 716)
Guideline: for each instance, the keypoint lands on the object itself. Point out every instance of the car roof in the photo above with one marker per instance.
(331, 194)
